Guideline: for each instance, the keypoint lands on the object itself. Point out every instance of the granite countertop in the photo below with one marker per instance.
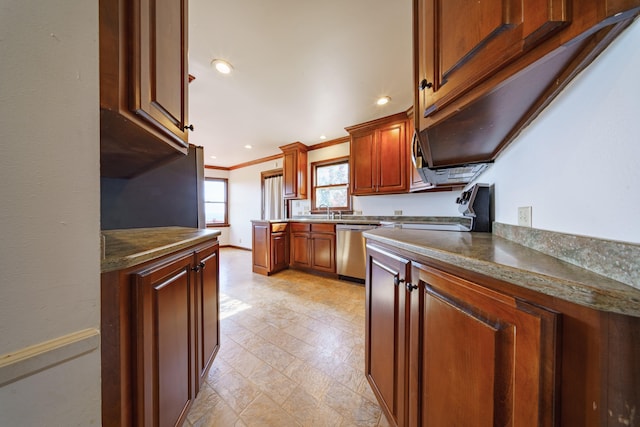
(361, 219)
(126, 248)
(511, 262)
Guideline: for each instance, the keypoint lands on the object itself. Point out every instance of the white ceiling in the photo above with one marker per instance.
(301, 69)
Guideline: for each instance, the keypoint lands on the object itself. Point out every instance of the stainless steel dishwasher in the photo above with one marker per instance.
(350, 251)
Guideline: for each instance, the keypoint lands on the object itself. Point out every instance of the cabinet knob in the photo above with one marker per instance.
(190, 127)
(397, 280)
(411, 287)
(424, 84)
(202, 265)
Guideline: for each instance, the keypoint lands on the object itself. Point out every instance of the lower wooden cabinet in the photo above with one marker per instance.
(270, 247)
(447, 347)
(160, 333)
(313, 247)
(385, 337)
(477, 357)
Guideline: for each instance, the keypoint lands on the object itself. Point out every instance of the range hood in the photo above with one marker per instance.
(444, 176)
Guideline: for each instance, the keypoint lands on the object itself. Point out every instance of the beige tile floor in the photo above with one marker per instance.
(291, 354)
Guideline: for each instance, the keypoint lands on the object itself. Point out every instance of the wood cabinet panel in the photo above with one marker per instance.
(378, 156)
(207, 308)
(279, 251)
(294, 179)
(143, 84)
(164, 343)
(160, 333)
(160, 69)
(300, 250)
(323, 252)
(385, 332)
(503, 351)
(363, 164)
(483, 75)
(270, 248)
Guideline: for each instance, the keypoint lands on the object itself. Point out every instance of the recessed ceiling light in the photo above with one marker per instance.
(222, 66)
(323, 137)
(248, 147)
(213, 157)
(383, 100)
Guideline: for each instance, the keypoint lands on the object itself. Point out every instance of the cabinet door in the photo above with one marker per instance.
(164, 347)
(323, 252)
(392, 158)
(363, 164)
(260, 252)
(385, 331)
(456, 51)
(478, 357)
(279, 253)
(207, 308)
(159, 66)
(300, 250)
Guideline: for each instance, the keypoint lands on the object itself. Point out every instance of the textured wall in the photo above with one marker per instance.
(49, 213)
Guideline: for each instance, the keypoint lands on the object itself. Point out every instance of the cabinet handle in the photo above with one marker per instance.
(397, 280)
(424, 84)
(190, 127)
(198, 267)
(411, 287)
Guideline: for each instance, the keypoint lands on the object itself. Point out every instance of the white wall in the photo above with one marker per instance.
(578, 163)
(245, 200)
(49, 214)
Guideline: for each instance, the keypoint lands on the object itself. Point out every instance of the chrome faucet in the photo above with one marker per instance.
(326, 206)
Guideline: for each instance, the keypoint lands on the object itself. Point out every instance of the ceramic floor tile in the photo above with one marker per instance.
(265, 412)
(291, 353)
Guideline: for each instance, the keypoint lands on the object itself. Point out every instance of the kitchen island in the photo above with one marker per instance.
(471, 326)
(159, 322)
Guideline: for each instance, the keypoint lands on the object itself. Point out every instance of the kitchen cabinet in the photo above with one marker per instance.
(207, 267)
(481, 76)
(449, 346)
(270, 247)
(378, 156)
(143, 84)
(313, 247)
(478, 357)
(294, 178)
(160, 333)
(385, 320)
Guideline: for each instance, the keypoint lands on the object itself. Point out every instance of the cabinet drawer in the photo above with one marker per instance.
(298, 226)
(323, 228)
(276, 228)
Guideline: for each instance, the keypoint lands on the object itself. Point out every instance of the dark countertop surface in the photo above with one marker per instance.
(511, 262)
(360, 219)
(129, 247)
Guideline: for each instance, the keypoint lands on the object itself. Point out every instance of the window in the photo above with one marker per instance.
(215, 201)
(330, 185)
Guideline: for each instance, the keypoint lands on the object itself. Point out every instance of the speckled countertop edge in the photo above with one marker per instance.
(130, 247)
(502, 259)
(363, 219)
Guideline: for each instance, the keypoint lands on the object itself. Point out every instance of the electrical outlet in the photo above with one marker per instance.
(524, 216)
(397, 212)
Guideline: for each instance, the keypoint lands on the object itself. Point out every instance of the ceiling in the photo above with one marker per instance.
(302, 69)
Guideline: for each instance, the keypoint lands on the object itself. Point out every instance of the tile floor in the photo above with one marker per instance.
(291, 354)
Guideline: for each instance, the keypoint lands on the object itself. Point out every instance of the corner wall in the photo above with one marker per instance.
(49, 214)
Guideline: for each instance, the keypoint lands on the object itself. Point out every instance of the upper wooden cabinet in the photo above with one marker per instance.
(378, 156)
(143, 84)
(484, 70)
(294, 180)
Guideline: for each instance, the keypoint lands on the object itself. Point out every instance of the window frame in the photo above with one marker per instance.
(316, 210)
(226, 203)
